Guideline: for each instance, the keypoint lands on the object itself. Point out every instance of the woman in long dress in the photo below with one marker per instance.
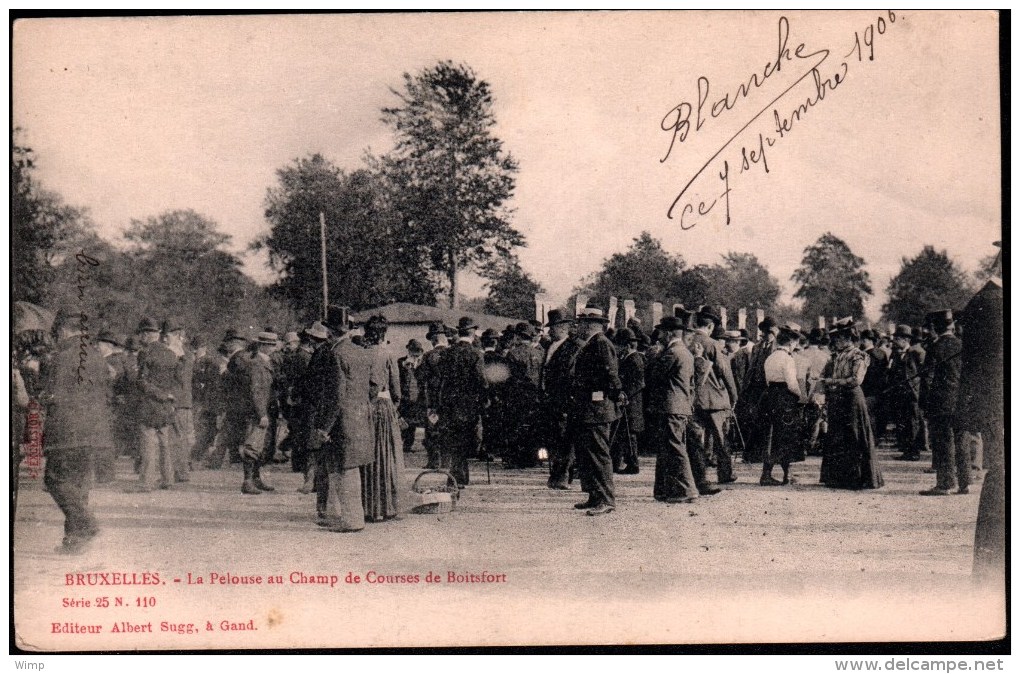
(849, 460)
(380, 480)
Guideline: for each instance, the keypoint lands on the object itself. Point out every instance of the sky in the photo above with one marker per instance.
(132, 117)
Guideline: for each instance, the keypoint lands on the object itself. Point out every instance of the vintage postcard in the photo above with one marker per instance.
(507, 329)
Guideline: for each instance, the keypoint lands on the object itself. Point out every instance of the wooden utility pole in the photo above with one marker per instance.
(325, 278)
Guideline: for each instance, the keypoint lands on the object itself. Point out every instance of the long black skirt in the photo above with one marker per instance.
(849, 459)
(782, 415)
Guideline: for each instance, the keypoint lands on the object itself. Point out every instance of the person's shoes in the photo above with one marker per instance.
(259, 484)
(934, 492)
(685, 499)
(709, 491)
(182, 479)
(963, 490)
(603, 509)
(769, 482)
(75, 547)
(558, 485)
(306, 488)
(631, 470)
(586, 505)
(930, 471)
(164, 485)
(729, 480)
(248, 487)
(344, 530)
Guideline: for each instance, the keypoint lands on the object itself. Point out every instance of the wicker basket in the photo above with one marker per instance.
(437, 498)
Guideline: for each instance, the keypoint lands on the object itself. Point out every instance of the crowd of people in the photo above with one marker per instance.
(572, 393)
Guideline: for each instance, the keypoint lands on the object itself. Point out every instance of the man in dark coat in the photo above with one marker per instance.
(111, 348)
(980, 409)
(596, 391)
(304, 395)
(679, 474)
(904, 389)
(522, 400)
(412, 405)
(875, 381)
(428, 386)
(714, 394)
(76, 385)
(942, 387)
(462, 397)
(748, 407)
(740, 357)
(255, 376)
(557, 372)
(632, 421)
(157, 383)
(341, 423)
(183, 423)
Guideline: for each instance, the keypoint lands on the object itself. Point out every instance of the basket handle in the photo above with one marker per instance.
(451, 481)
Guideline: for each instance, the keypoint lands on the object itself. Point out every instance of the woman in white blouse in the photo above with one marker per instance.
(782, 412)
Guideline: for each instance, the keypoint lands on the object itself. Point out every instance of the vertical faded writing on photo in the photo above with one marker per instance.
(501, 329)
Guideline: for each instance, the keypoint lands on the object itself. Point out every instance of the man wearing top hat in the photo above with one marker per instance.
(714, 393)
(341, 424)
(904, 382)
(941, 390)
(557, 371)
(427, 375)
(462, 397)
(596, 391)
(183, 423)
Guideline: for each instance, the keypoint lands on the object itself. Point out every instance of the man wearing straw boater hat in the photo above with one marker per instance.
(597, 390)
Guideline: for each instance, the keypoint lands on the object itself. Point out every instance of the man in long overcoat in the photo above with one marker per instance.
(76, 386)
(462, 396)
(714, 394)
(941, 389)
(670, 395)
(596, 392)
(341, 422)
(556, 382)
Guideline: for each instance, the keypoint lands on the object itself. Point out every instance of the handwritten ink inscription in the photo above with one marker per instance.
(810, 65)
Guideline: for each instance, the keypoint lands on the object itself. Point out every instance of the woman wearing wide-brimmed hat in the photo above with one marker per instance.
(849, 460)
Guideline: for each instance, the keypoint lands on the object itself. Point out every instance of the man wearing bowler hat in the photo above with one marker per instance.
(157, 383)
(427, 375)
(341, 424)
(412, 406)
(941, 389)
(256, 398)
(462, 396)
(632, 421)
(597, 391)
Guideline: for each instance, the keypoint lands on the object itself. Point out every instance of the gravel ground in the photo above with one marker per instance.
(800, 563)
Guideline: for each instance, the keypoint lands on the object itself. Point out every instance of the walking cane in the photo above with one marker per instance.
(736, 424)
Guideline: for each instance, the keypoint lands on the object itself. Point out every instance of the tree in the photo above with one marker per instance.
(371, 258)
(743, 281)
(832, 279)
(512, 293)
(448, 173)
(928, 282)
(644, 272)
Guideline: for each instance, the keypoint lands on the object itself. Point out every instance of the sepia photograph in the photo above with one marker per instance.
(493, 330)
